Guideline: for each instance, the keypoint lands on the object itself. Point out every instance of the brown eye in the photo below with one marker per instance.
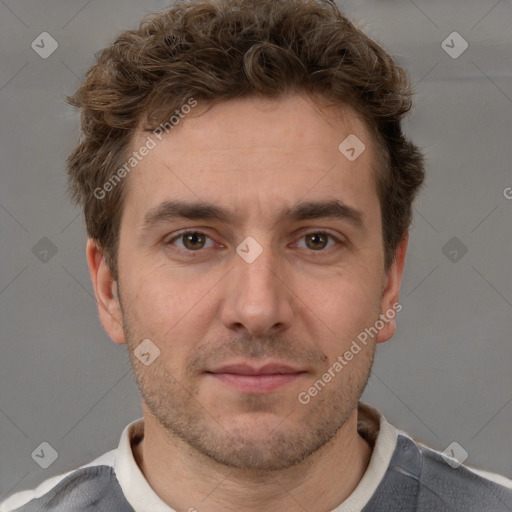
(319, 241)
(316, 241)
(193, 240)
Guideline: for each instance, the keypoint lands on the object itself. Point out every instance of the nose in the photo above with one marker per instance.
(258, 297)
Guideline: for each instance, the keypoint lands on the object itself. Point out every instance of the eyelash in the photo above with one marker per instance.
(190, 253)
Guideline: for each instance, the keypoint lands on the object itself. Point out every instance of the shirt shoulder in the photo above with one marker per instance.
(463, 487)
(86, 488)
(421, 479)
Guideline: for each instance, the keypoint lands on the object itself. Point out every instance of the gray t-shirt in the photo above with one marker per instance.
(403, 476)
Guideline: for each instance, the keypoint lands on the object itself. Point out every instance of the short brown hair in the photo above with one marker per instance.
(216, 50)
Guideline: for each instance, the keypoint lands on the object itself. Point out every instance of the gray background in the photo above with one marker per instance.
(444, 377)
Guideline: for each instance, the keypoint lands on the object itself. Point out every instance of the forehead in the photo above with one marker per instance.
(256, 153)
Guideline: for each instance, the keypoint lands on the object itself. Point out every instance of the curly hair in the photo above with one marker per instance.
(216, 50)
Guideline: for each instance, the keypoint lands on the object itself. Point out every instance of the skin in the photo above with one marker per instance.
(301, 302)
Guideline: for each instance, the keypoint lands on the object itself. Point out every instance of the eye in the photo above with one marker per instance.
(193, 241)
(318, 240)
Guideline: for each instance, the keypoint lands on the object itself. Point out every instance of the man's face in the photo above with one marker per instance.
(240, 338)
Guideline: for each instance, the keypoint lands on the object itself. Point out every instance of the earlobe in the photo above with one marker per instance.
(390, 305)
(105, 290)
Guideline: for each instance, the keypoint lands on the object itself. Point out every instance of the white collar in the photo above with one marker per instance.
(371, 424)
(136, 489)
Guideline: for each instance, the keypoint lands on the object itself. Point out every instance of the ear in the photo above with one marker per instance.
(105, 289)
(391, 293)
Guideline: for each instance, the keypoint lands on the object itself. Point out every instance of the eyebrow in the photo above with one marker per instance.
(198, 210)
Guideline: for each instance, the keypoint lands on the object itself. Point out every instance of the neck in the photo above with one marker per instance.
(187, 480)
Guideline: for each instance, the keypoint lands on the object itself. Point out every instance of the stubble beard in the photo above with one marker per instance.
(259, 445)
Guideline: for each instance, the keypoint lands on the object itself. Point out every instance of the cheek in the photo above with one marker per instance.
(342, 306)
(151, 306)
(168, 305)
(346, 310)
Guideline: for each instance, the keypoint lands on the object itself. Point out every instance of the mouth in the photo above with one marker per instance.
(251, 379)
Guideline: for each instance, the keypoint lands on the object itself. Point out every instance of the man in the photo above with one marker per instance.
(247, 191)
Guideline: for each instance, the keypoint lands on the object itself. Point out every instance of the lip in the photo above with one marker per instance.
(251, 379)
(247, 369)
